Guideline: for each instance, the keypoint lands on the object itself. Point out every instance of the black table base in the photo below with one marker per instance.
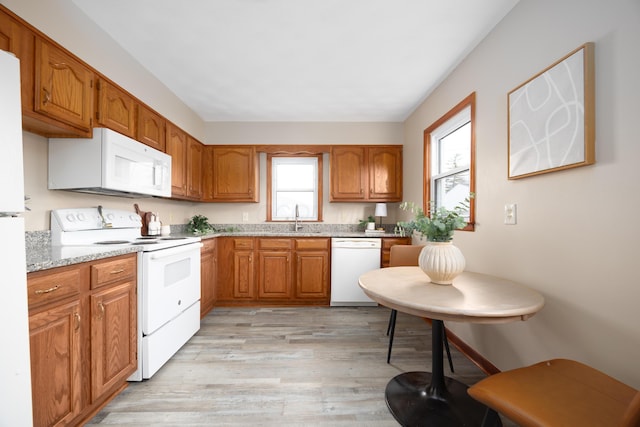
(413, 403)
(431, 399)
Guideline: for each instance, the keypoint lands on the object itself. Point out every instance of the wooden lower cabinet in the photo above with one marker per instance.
(56, 362)
(83, 337)
(208, 265)
(272, 271)
(113, 338)
(312, 270)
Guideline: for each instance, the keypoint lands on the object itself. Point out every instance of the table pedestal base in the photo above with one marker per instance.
(414, 402)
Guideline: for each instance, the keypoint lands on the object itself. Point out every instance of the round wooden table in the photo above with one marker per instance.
(431, 399)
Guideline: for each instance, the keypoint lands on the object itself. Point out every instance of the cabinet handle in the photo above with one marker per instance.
(101, 308)
(46, 291)
(47, 96)
(76, 316)
(361, 191)
(117, 271)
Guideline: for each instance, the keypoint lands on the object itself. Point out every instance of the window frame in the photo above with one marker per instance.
(270, 157)
(437, 128)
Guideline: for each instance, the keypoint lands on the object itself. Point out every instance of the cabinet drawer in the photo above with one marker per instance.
(113, 271)
(208, 245)
(312, 244)
(53, 286)
(242, 244)
(276, 244)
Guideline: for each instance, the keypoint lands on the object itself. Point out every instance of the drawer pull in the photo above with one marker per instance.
(46, 291)
(118, 271)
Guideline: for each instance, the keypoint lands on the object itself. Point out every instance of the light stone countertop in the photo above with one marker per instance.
(41, 255)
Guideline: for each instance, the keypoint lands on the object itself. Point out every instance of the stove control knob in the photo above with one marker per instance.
(71, 218)
(81, 217)
(110, 216)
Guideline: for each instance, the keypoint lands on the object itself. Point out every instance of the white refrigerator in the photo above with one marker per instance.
(15, 368)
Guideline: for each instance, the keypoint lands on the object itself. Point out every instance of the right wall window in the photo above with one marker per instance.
(449, 159)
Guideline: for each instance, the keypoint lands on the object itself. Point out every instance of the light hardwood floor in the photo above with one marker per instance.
(308, 366)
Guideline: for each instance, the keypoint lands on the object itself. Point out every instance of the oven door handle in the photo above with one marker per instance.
(165, 253)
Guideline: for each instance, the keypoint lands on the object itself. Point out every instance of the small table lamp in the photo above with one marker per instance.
(381, 210)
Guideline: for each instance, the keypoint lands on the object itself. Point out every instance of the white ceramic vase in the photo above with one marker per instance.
(441, 261)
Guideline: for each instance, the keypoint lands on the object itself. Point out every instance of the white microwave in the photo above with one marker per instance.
(109, 163)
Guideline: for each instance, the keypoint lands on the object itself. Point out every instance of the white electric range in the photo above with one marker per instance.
(168, 276)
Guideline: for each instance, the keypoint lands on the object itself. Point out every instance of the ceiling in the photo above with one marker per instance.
(299, 60)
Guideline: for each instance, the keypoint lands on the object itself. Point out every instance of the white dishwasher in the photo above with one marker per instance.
(350, 258)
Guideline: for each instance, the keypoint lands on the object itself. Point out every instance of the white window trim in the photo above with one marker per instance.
(311, 160)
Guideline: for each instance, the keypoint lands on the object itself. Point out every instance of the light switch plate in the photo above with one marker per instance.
(510, 214)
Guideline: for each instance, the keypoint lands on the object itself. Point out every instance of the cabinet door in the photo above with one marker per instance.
(151, 128)
(274, 274)
(348, 173)
(235, 174)
(385, 173)
(194, 168)
(113, 337)
(208, 276)
(312, 275)
(63, 86)
(243, 275)
(54, 337)
(116, 109)
(177, 149)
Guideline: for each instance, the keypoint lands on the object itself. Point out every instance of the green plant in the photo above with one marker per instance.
(199, 224)
(363, 222)
(440, 224)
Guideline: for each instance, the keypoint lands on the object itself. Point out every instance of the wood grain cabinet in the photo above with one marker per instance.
(233, 175)
(273, 271)
(55, 325)
(113, 315)
(194, 168)
(82, 328)
(115, 108)
(63, 86)
(176, 147)
(366, 173)
(312, 269)
(151, 128)
(208, 267)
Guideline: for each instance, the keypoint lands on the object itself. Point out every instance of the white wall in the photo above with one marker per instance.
(576, 240)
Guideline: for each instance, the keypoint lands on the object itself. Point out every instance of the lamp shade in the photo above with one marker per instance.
(381, 209)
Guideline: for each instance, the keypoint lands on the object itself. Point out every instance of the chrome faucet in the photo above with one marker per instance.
(297, 226)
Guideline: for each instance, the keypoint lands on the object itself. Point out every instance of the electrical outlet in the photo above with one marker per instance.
(245, 216)
(510, 214)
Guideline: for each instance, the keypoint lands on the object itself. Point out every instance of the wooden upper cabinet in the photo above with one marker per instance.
(151, 128)
(177, 148)
(234, 175)
(194, 168)
(348, 173)
(115, 109)
(63, 86)
(366, 173)
(385, 173)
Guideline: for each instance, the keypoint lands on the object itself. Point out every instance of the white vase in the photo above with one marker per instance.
(441, 261)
